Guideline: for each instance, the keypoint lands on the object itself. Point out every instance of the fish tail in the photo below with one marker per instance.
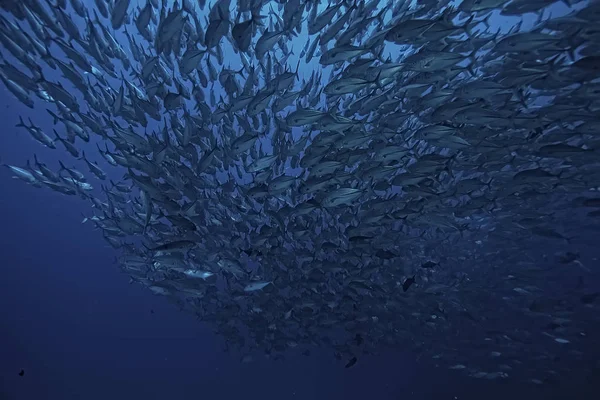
(554, 65)
(522, 97)
(42, 78)
(560, 174)
(466, 28)
(376, 81)
(473, 58)
(257, 19)
(489, 183)
(21, 123)
(381, 14)
(470, 69)
(54, 116)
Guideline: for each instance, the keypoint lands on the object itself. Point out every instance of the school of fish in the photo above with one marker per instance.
(352, 176)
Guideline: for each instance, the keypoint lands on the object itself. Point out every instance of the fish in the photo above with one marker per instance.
(254, 286)
(94, 168)
(429, 264)
(119, 13)
(408, 282)
(242, 32)
(174, 246)
(351, 362)
(281, 169)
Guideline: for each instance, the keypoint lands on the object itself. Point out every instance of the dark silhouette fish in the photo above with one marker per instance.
(429, 264)
(242, 32)
(408, 283)
(351, 362)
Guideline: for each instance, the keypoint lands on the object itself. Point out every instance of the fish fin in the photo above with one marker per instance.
(377, 81)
